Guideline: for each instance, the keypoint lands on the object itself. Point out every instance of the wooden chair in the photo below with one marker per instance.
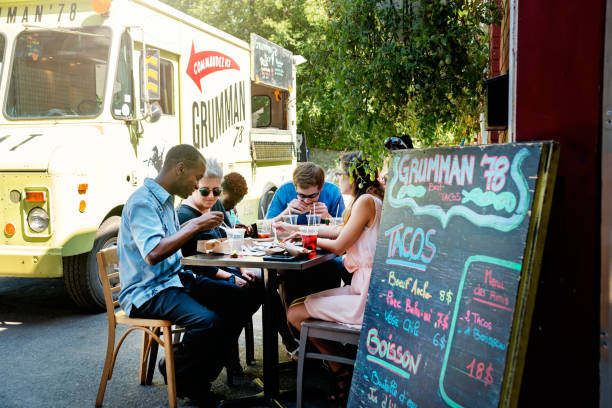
(150, 327)
(322, 330)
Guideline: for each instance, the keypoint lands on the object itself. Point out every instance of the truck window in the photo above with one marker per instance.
(260, 111)
(58, 73)
(123, 90)
(166, 85)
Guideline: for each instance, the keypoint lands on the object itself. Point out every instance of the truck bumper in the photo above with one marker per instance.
(28, 262)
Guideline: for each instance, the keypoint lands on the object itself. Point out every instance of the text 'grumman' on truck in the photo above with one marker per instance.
(87, 115)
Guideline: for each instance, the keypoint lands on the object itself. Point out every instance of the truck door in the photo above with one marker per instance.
(158, 137)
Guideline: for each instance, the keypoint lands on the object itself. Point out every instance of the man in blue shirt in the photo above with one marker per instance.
(153, 282)
(308, 187)
(309, 193)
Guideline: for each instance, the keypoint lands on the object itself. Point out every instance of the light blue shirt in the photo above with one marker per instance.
(148, 216)
(330, 195)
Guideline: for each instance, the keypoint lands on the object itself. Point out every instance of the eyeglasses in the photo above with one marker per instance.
(313, 195)
(206, 191)
(395, 143)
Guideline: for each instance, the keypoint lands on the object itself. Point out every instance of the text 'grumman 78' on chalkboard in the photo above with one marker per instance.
(454, 276)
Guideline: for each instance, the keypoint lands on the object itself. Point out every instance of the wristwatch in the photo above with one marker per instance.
(232, 279)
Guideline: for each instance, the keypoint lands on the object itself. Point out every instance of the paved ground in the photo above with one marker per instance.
(51, 355)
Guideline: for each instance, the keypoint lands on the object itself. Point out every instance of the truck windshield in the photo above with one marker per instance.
(58, 73)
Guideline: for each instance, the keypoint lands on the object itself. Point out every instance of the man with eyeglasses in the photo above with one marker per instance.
(309, 193)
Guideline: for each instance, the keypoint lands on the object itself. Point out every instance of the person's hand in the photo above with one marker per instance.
(248, 274)
(320, 209)
(296, 206)
(209, 220)
(285, 228)
(294, 236)
(248, 229)
(239, 281)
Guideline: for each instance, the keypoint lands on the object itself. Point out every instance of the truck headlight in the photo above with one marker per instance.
(38, 219)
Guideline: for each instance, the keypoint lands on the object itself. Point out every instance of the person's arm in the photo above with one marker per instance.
(170, 244)
(277, 205)
(331, 232)
(361, 214)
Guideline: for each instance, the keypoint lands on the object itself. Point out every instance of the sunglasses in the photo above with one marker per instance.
(313, 195)
(395, 143)
(206, 191)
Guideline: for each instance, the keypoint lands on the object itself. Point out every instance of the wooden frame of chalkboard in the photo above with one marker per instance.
(271, 64)
(455, 276)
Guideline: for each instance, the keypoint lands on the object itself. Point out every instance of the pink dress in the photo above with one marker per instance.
(347, 304)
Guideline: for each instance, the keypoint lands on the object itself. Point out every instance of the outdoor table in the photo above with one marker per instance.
(270, 336)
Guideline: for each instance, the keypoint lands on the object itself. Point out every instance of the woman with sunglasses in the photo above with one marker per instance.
(201, 201)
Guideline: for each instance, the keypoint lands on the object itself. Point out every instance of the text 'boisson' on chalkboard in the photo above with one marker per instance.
(454, 277)
(271, 65)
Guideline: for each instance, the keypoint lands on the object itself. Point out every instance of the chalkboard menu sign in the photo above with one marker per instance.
(454, 277)
(272, 65)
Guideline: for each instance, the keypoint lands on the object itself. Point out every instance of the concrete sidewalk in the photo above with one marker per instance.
(316, 380)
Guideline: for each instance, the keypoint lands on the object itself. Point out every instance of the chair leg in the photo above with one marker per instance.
(169, 352)
(249, 340)
(300, 367)
(142, 371)
(107, 370)
(153, 347)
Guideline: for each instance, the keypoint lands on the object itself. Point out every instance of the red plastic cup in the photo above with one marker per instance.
(309, 237)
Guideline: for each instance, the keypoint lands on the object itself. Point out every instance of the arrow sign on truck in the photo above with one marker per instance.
(206, 62)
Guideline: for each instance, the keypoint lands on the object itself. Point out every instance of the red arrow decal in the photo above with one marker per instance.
(206, 62)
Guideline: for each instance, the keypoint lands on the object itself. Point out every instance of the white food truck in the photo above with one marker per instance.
(86, 115)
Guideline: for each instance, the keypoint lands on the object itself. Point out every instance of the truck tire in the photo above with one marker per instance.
(81, 271)
(264, 202)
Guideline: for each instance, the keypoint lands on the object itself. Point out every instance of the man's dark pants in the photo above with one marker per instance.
(213, 318)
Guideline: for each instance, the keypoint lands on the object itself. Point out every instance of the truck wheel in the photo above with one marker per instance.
(81, 271)
(264, 202)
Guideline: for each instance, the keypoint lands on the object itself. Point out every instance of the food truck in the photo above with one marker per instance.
(94, 93)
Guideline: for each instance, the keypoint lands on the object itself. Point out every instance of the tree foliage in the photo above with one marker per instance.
(375, 68)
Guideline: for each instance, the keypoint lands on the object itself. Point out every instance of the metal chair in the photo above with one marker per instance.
(150, 327)
(321, 329)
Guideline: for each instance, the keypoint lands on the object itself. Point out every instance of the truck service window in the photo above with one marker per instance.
(260, 111)
(166, 86)
(58, 73)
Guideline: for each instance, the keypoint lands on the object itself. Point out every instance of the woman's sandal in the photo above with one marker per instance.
(340, 385)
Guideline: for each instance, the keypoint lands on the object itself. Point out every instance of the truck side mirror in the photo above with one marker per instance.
(154, 112)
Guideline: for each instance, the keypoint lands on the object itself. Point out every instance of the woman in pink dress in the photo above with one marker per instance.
(356, 240)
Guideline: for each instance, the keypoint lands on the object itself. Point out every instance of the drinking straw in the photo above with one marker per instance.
(337, 208)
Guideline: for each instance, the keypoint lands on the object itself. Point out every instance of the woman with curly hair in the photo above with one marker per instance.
(234, 189)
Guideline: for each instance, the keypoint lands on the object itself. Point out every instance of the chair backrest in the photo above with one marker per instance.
(108, 269)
